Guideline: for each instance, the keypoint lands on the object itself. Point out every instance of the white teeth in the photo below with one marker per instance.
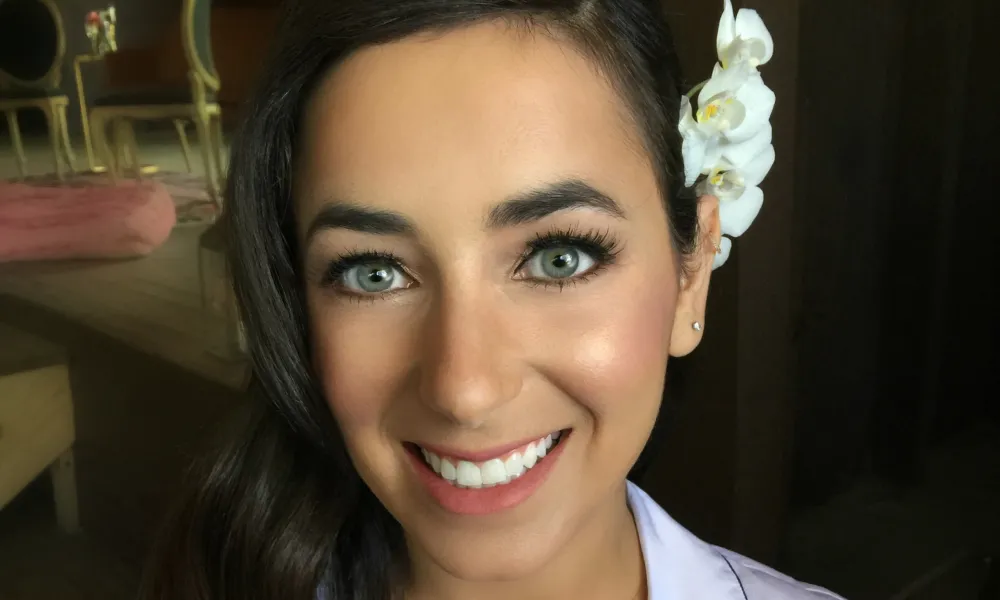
(448, 470)
(493, 472)
(514, 466)
(529, 456)
(469, 475)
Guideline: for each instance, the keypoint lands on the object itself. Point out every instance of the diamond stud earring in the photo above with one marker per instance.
(696, 325)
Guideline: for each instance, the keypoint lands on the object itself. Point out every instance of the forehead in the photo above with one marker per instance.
(454, 121)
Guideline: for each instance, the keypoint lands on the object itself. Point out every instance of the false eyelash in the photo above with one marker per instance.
(602, 246)
(348, 260)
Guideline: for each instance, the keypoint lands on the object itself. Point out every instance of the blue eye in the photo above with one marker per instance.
(562, 262)
(367, 274)
(373, 278)
(566, 256)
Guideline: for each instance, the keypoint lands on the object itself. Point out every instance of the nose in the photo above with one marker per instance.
(469, 367)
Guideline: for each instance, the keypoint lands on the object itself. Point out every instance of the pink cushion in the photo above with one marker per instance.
(48, 223)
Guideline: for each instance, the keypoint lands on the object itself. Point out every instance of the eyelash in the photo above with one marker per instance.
(602, 246)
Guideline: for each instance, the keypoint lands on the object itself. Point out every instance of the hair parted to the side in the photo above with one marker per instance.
(280, 512)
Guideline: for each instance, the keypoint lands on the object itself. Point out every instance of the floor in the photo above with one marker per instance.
(872, 543)
(154, 303)
(39, 562)
(139, 325)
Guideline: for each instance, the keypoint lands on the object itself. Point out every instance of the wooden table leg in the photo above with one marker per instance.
(63, 473)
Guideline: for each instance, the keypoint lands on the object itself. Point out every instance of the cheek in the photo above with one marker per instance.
(618, 360)
(628, 345)
(345, 350)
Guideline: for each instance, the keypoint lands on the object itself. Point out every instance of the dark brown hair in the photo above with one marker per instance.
(280, 512)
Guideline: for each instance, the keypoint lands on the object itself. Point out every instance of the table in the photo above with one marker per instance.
(36, 421)
(78, 63)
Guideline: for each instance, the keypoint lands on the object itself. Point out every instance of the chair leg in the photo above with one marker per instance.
(67, 143)
(52, 121)
(63, 474)
(99, 135)
(201, 123)
(181, 126)
(119, 142)
(218, 144)
(128, 131)
(15, 139)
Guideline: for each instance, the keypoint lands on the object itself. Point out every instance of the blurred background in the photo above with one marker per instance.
(841, 420)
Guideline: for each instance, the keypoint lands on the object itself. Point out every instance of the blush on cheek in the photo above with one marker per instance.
(625, 357)
(635, 335)
(346, 383)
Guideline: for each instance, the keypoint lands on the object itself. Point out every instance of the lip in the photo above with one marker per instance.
(479, 456)
(486, 501)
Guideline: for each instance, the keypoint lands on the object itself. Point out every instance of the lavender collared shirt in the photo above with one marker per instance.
(679, 566)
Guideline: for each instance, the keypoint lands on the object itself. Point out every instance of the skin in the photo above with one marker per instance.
(471, 355)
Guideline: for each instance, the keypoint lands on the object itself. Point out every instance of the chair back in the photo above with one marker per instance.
(32, 44)
(196, 31)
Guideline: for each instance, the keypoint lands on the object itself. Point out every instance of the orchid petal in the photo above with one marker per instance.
(754, 171)
(686, 120)
(727, 187)
(694, 150)
(723, 81)
(725, 248)
(750, 26)
(713, 156)
(727, 28)
(737, 155)
(759, 101)
(694, 143)
(736, 216)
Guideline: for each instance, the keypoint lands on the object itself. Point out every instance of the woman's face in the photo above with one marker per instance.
(488, 264)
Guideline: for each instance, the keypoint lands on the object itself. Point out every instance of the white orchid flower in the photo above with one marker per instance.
(743, 38)
(722, 255)
(726, 132)
(740, 198)
(735, 102)
(697, 145)
(704, 149)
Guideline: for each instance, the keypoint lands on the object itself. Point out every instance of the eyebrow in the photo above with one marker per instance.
(345, 215)
(537, 204)
(526, 207)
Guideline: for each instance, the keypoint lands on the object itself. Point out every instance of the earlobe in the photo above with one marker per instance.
(689, 316)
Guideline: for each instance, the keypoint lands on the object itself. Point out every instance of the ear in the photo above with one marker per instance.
(693, 296)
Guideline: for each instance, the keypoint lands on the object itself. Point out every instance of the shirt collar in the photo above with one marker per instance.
(678, 564)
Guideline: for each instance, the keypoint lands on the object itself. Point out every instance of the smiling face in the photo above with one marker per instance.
(488, 263)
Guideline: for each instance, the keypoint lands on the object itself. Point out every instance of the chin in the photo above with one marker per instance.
(497, 557)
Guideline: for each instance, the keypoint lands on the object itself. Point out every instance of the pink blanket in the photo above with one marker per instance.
(49, 223)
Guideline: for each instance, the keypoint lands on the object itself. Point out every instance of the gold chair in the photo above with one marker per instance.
(32, 48)
(196, 103)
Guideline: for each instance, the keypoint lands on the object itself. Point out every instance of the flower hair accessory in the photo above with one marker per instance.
(725, 125)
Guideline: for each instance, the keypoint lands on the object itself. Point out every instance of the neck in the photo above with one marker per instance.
(603, 559)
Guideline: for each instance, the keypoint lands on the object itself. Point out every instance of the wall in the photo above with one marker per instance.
(138, 22)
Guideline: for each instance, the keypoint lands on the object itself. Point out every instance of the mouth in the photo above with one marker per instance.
(481, 483)
(502, 469)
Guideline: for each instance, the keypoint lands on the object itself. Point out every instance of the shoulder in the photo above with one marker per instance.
(679, 565)
(759, 582)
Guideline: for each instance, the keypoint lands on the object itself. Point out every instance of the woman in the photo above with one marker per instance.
(464, 250)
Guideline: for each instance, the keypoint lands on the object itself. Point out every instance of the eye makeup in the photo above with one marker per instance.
(600, 248)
